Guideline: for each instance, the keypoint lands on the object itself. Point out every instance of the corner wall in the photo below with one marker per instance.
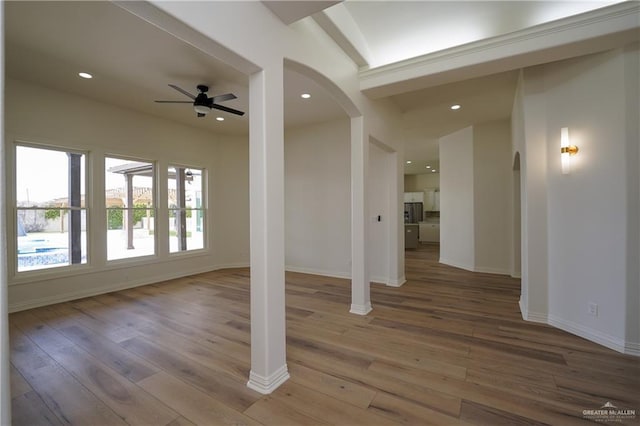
(475, 198)
(587, 250)
(457, 239)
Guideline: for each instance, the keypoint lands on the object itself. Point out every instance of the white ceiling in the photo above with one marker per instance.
(399, 30)
(132, 61)
(428, 114)
(48, 43)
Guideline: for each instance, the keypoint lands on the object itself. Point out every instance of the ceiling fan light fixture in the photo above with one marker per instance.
(201, 109)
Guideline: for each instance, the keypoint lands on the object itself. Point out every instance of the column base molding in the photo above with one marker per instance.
(266, 385)
(361, 309)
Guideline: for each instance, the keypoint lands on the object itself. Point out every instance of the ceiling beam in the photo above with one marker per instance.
(290, 11)
(338, 23)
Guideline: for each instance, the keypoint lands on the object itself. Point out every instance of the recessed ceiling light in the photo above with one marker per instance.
(433, 171)
(408, 161)
(85, 75)
(220, 118)
(428, 167)
(305, 96)
(455, 107)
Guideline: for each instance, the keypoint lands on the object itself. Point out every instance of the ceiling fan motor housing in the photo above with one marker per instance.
(202, 103)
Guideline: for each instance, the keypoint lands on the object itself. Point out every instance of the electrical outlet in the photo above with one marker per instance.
(593, 309)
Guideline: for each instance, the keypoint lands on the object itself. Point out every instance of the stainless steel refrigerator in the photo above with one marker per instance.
(413, 212)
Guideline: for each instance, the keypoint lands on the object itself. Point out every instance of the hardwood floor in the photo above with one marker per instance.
(447, 348)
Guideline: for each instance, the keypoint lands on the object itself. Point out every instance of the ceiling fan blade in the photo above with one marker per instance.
(222, 98)
(227, 109)
(184, 92)
(174, 102)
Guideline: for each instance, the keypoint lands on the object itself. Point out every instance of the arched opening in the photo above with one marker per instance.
(359, 167)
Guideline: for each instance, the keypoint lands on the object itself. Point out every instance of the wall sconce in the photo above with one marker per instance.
(566, 150)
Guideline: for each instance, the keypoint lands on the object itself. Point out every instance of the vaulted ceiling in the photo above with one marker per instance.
(48, 43)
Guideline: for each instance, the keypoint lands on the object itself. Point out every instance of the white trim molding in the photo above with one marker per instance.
(611, 342)
(398, 282)
(361, 309)
(490, 270)
(266, 385)
(456, 264)
(537, 317)
(632, 348)
(331, 274)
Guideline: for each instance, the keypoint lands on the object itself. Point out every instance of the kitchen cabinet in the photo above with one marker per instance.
(414, 197)
(411, 232)
(429, 232)
(432, 200)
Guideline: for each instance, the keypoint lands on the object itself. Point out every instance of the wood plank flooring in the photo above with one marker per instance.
(447, 348)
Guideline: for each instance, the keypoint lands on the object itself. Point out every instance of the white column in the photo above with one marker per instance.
(266, 181)
(5, 390)
(360, 292)
(396, 220)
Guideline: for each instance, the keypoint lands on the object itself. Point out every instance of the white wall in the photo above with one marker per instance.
(229, 203)
(70, 121)
(475, 198)
(492, 179)
(317, 199)
(529, 116)
(318, 202)
(380, 183)
(587, 209)
(632, 124)
(421, 182)
(457, 199)
(590, 217)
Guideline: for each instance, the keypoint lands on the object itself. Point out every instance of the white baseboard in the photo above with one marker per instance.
(473, 268)
(361, 309)
(537, 317)
(311, 271)
(531, 316)
(632, 348)
(379, 280)
(233, 265)
(611, 342)
(523, 309)
(397, 283)
(266, 385)
(490, 270)
(456, 264)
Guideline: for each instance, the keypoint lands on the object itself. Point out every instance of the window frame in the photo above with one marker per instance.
(143, 258)
(12, 243)
(203, 209)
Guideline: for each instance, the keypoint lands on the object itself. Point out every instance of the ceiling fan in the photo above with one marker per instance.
(202, 103)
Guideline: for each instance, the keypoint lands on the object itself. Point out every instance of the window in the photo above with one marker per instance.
(129, 198)
(50, 206)
(186, 209)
